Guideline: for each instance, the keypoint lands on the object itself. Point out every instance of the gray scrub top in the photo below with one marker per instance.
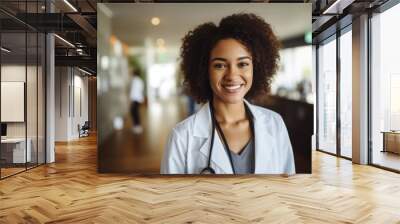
(244, 161)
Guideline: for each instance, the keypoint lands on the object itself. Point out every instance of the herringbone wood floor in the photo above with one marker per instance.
(71, 191)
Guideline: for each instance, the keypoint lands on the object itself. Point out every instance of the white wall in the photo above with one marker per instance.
(113, 79)
(70, 84)
(79, 117)
(12, 73)
(33, 126)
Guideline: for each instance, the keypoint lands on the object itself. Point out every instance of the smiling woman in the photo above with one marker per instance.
(223, 66)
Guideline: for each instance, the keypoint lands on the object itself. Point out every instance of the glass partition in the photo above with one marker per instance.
(327, 96)
(31, 98)
(13, 110)
(22, 77)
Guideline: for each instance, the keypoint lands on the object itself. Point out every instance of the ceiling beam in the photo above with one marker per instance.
(84, 24)
(75, 61)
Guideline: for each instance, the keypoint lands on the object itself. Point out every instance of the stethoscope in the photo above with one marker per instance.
(209, 169)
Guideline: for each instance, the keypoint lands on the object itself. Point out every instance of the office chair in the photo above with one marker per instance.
(84, 130)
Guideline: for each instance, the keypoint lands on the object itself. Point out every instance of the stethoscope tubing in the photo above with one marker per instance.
(209, 169)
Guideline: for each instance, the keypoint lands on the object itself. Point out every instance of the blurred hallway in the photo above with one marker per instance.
(142, 153)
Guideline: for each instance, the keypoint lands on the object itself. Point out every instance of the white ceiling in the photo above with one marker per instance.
(131, 22)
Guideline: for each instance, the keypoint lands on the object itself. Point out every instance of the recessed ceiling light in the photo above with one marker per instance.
(155, 21)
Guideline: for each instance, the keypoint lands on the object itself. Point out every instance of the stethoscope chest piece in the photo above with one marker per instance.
(208, 170)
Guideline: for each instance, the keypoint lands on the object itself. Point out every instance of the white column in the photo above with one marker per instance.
(360, 90)
(62, 103)
(50, 99)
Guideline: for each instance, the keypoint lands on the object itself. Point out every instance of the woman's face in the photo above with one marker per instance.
(231, 71)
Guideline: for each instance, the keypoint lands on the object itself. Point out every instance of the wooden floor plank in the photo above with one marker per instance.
(71, 191)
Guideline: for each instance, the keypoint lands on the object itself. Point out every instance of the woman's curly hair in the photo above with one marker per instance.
(251, 31)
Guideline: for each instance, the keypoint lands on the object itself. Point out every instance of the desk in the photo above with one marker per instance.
(15, 148)
(391, 141)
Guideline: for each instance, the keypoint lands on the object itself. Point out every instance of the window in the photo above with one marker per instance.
(327, 96)
(294, 77)
(385, 89)
(346, 94)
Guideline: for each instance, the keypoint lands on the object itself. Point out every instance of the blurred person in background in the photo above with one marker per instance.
(137, 98)
(223, 67)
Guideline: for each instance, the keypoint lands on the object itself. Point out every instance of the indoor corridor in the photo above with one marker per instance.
(125, 151)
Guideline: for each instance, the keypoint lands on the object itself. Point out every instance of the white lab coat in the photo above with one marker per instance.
(137, 87)
(188, 145)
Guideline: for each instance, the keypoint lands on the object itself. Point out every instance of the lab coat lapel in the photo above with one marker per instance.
(262, 140)
(202, 122)
(219, 158)
(262, 146)
(202, 129)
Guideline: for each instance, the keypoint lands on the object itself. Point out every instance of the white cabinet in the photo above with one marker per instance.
(17, 147)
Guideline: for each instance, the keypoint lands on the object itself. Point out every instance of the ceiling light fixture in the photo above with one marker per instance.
(328, 10)
(70, 5)
(337, 7)
(84, 71)
(5, 49)
(64, 40)
(155, 21)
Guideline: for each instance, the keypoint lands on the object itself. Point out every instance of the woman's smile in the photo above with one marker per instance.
(231, 88)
